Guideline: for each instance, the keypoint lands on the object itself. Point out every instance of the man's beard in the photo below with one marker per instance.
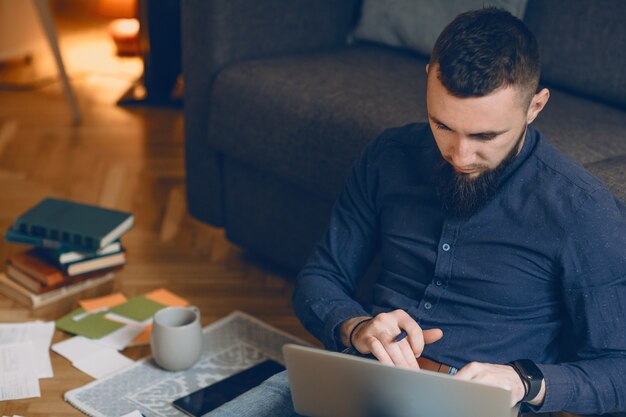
(462, 196)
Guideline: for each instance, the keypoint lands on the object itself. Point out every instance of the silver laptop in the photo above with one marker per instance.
(329, 384)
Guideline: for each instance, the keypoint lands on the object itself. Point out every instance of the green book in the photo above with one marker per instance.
(138, 308)
(72, 224)
(96, 325)
(93, 326)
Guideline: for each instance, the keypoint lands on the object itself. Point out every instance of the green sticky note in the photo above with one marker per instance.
(138, 308)
(93, 326)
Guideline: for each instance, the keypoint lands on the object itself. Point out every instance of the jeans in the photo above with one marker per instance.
(270, 399)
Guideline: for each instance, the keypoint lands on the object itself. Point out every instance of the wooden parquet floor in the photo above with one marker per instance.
(125, 158)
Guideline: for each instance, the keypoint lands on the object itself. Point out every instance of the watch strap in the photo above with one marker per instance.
(530, 375)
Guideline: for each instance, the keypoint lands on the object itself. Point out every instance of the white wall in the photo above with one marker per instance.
(20, 30)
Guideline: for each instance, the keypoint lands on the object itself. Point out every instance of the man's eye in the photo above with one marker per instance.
(486, 137)
(442, 127)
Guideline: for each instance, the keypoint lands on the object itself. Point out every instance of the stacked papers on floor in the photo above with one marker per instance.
(24, 358)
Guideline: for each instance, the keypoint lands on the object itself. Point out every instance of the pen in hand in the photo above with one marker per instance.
(401, 336)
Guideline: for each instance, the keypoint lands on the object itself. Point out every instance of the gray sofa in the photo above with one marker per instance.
(278, 105)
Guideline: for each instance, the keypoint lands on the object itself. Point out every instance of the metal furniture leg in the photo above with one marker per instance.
(45, 16)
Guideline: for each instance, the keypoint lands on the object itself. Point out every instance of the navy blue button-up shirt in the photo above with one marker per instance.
(538, 273)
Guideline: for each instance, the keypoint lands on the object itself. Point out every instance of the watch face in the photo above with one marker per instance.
(533, 373)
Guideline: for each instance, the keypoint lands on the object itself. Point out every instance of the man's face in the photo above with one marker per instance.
(475, 134)
(478, 138)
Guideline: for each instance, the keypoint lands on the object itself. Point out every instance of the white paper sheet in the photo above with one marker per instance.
(91, 357)
(18, 377)
(78, 347)
(122, 337)
(103, 363)
(16, 357)
(39, 334)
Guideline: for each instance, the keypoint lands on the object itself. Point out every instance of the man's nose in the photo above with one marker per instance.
(463, 153)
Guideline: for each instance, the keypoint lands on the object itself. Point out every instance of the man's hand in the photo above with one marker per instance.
(503, 376)
(378, 335)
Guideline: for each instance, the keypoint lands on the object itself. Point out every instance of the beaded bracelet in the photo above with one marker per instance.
(354, 329)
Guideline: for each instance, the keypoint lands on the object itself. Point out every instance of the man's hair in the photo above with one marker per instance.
(483, 50)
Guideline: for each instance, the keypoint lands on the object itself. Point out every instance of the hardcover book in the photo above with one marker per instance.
(44, 272)
(61, 256)
(92, 287)
(17, 237)
(31, 284)
(95, 264)
(37, 287)
(71, 224)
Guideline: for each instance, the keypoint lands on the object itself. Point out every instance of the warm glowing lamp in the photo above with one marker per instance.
(124, 28)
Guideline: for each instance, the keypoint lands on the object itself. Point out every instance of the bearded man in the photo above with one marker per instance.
(502, 260)
(500, 255)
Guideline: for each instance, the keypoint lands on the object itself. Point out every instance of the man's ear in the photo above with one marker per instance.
(427, 69)
(537, 103)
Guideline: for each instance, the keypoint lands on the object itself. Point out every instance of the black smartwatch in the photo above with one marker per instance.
(530, 375)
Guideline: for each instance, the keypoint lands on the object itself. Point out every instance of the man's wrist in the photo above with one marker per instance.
(538, 400)
(532, 379)
(347, 327)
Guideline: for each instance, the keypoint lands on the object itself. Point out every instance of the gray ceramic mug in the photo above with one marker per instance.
(176, 339)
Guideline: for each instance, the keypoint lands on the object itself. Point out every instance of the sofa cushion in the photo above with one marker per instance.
(582, 45)
(416, 24)
(307, 117)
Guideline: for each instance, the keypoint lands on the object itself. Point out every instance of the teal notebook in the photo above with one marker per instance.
(72, 224)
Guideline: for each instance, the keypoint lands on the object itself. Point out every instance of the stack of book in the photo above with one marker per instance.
(76, 249)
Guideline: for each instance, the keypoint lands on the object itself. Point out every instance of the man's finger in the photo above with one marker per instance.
(379, 351)
(395, 353)
(497, 375)
(468, 372)
(413, 330)
(408, 354)
(416, 340)
(432, 335)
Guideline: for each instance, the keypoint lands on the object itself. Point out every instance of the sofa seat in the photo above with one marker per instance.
(612, 171)
(323, 108)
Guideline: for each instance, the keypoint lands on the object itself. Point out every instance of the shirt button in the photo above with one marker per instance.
(446, 247)
(428, 306)
(438, 283)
